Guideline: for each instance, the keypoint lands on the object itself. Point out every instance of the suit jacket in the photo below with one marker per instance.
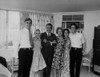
(48, 48)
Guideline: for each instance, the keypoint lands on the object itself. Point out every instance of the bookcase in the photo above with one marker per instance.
(96, 52)
(67, 20)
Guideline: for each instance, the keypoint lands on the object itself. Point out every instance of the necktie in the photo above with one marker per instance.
(30, 37)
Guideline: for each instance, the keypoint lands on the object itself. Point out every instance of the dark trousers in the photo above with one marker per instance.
(75, 61)
(25, 61)
(47, 70)
(48, 57)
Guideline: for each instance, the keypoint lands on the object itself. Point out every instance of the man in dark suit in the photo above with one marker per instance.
(48, 41)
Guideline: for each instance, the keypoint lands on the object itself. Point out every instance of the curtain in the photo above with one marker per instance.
(3, 29)
(13, 31)
(39, 20)
(11, 22)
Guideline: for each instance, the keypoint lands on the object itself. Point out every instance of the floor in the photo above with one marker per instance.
(84, 73)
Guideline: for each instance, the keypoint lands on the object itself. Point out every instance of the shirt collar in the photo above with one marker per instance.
(25, 29)
(48, 33)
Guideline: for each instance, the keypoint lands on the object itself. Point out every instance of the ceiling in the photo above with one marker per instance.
(51, 6)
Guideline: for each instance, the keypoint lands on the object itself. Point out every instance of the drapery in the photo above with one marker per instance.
(13, 31)
(3, 29)
(11, 22)
(39, 20)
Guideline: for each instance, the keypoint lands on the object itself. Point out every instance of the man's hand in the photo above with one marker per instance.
(45, 40)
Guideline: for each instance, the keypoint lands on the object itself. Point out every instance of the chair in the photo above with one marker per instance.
(87, 59)
(13, 65)
(4, 72)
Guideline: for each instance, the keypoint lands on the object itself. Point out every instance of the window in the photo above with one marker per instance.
(3, 29)
(13, 27)
(12, 21)
(13, 31)
(67, 20)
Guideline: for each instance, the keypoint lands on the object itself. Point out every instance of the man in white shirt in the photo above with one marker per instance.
(78, 45)
(25, 52)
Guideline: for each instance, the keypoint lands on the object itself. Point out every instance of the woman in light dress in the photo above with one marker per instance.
(38, 63)
(65, 70)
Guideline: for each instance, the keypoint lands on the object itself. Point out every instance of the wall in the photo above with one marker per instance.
(91, 19)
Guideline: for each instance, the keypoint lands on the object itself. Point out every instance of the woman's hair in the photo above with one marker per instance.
(37, 30)
(65, 30)
(59, 28)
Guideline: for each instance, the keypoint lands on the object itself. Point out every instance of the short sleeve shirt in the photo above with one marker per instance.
(77, 40)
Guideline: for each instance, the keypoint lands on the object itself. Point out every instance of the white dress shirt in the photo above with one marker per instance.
(24, 38)
(48, 34)
(77, 40)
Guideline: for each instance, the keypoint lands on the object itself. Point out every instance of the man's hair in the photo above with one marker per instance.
(28, 19)
(50, 25)
(74, 25)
